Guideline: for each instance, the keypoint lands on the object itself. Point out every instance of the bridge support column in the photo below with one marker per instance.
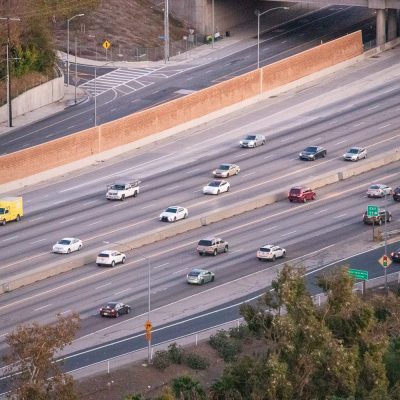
(392, 24)
(380, 27)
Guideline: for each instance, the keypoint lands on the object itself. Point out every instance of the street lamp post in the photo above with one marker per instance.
(385, 253)
(8, 19)
(213, 24)
(259, 14)
(68, 21)
(166, 32)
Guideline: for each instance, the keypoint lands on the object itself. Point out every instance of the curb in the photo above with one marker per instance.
(155, 235)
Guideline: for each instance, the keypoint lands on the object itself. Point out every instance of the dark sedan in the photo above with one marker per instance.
(114, 309)
(395, 255)
(311, 153)
(396, 194)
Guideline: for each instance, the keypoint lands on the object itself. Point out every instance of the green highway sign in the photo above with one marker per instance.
(372, 211)
(359, 274)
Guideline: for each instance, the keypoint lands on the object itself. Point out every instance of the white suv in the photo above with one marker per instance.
(270, 252)
(110, 257)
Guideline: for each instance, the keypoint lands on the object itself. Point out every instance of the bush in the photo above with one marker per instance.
(186, 388)
(240, 332)
(228, 348)
(161, 359)
(195, 361)
(176, 353)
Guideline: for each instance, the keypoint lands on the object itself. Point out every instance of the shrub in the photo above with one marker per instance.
(228, 348)
(186, 388)
(240, 332)
(195, 361)
(161, 359)
(175, 353)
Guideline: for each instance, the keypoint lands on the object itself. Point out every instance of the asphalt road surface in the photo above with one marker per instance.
(161, 85)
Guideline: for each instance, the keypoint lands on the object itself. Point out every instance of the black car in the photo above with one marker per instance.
(311, 153)
(396, 194)
(114, 309)
(395, 255)
(379, 220)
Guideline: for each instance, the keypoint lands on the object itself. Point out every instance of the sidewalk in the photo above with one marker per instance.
(241, 37)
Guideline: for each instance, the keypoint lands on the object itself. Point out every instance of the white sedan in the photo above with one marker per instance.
(173, 213)
(355, 154)
(216, 187)
(110, 257)
(270, 252)
(67, 245)
(379, 190)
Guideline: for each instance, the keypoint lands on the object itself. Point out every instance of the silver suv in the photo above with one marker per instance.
(212, 246)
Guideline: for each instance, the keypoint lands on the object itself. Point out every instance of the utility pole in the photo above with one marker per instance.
(166, 32)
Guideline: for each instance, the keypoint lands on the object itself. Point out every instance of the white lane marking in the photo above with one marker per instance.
(357, 124)
(235, 251)
(339, 216)
(121, 203)
(269, 229)
(66, 220)
(23, 260)
(285, 139)
(193, 170)
(181, 270)
(38, 241)
(174, 187)
(198, 190)
(161, 265)
(116, 173)
(95, 222)
(35, 219)
(373, 108)
(101, 286)
(343, 141)
(332, 122)
(149, 205)
(4, 334)
(122, 291)
(41, 308)
(318, 138)
(89, 202)
(384, 126)
(9, 238)
(66, 312)
(321, 211)
(268, 157)
(248, 174)
(288, 233)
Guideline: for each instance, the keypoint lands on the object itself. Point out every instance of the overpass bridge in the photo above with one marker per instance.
(228, 13)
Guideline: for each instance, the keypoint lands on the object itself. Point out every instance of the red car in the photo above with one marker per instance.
(301, 193)
(114, 309)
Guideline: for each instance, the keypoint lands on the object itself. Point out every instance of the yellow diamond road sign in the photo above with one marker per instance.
(106, 44)
(385, 261)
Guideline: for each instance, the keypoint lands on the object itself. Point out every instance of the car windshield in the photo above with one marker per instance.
(104, 255)
(353, 151)
(374, 187)
(2, 210)
(204, 242)
(194, 273)
(311, 149)
(397, 190)
(111, 305)
(64, 241)
(171, 210)
(250, 137)
(223, 167)
(295, 191)
(266, 249)
(118, 187)
(214, 183)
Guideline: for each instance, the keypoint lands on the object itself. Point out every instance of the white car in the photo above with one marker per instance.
(379, 190)
(270, 252)
(226, 170)
(216, 187)
(355, 154)
(67, 245)
(173, 213)
(253, 141)
(110, 257)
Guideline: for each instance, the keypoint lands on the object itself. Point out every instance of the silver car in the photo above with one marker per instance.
(212, 246)
(226, 170)
(379, 190)
(253, 141)
(199, 276)
(355, 154)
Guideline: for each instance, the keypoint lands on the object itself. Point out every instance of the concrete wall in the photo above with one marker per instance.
(47, 93)
(177, 112)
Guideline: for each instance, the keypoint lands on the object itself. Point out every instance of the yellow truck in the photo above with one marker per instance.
(11, 209)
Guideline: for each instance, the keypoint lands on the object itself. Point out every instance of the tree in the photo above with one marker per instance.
(32, 354)
(186, 388)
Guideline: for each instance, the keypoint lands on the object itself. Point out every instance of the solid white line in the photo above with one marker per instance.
(161, 265)
(10, 238)
(122, 291)
(269, 229)
(106, 284)
(41, 308)
(288, 233)
(37, 241)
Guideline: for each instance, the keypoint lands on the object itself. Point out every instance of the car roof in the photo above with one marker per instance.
(299, 187)
(228, 164)
(356, 147)
(210, 238)
(68, 238)
(107, 251)
(198, 270)
(268, 245)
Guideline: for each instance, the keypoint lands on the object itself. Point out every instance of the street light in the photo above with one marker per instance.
(8, 19)
(257, 12)
(70, 19)
(166, 32)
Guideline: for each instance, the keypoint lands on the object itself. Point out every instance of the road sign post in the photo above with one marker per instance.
(361, 275)
(372, 211)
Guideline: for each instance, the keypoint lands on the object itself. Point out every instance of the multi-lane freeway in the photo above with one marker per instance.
(160, 85)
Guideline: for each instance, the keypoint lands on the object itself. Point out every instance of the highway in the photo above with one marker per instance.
(345, 109)
(177, 80)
